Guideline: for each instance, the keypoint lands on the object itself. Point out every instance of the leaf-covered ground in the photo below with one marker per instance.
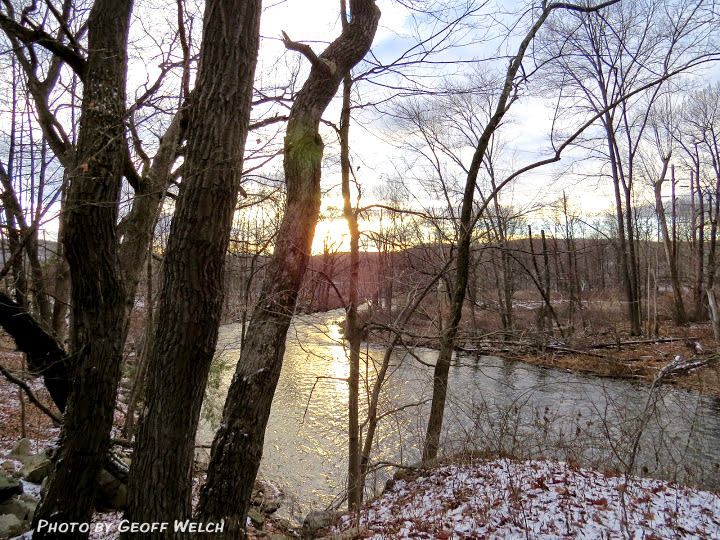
(506, 499)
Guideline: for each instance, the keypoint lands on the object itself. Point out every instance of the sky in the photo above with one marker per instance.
(374, 156)
(525, 131)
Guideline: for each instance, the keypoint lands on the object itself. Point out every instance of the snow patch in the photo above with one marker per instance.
(537, 499)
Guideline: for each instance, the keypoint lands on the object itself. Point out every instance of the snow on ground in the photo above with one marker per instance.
(505, 499)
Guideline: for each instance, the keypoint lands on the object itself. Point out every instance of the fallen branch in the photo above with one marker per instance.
(639, 342)
(571, 351)
(678, 367)
(30, 394)
(528, 346)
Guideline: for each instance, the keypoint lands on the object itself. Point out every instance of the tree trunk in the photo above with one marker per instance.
(138, 387)
(711, 262)
(237, 448)
(636, 322)
(91, 248)
(191, 294)
(138, 226)
(61, 305)
(623, 250)
(353, 332)
(700, 311)
(447, 343)
(680, 315)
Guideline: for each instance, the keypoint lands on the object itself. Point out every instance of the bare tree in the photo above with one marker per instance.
(98, 296)
(605, 56)
(191, 295)
(467, 218)
(238, 444)
(661, 128)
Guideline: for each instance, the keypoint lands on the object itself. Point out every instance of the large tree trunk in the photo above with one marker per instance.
(91, 249)
(237, 448)
(191, 295)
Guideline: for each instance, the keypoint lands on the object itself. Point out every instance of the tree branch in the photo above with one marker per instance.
(267, 122)
(302, 48)
(72, 58)
(29, 393)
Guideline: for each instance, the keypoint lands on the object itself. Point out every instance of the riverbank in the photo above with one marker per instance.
(498, 498)
(691, 349)
(504, 498)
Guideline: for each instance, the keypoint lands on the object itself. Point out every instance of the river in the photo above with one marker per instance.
(493, 404)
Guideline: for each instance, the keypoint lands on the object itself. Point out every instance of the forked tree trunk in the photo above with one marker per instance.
(138, 226)
(623, 234)
(238, 445)
(191, 294)
(90, 241)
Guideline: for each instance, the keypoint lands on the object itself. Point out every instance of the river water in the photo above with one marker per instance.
(493, 404)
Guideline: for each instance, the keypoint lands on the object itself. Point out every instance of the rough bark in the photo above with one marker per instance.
(237, 448)
(61, 306)
(191, 294)
(91, 249)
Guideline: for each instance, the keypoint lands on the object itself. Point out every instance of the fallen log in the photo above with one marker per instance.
(639, 342)
(678, 367)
